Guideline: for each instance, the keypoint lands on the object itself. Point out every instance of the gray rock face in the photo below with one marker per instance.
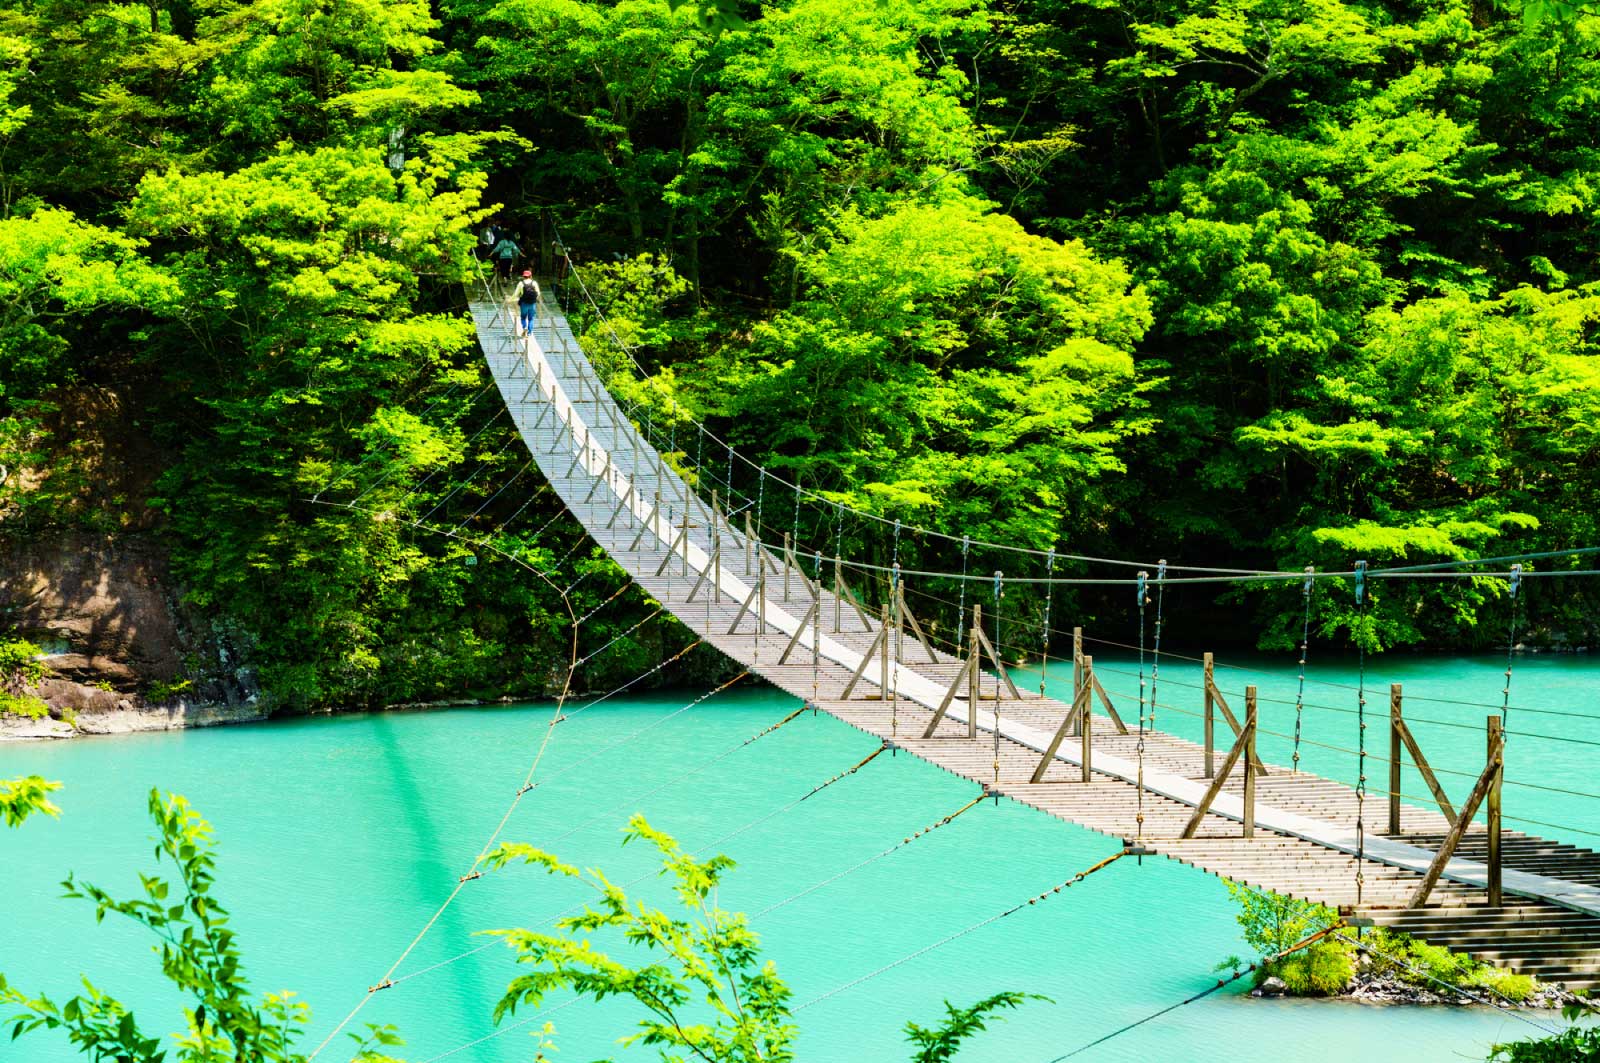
(107, 612)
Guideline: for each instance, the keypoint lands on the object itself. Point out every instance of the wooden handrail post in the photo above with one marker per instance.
(788, 555)
(1497, 749)
(1395, 748)
(1211, 720)
(1249, 762)
(1077, 669)
(716, 551)
(1087, 749)
(685, 542)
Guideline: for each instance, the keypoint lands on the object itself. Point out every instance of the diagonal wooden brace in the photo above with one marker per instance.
(1227, 714)
(1111, 710)
(1447, 848)
(962, 676)
(699, 582)
(1216, 784)
(1427, 772)
(649, 522)
(999, 667)
(916, 628)
(1080, 705)
(603, 478)
(866, 659)
(672, 548)
(842, 591)
(809, 619)
(622, 503)
(749, 600)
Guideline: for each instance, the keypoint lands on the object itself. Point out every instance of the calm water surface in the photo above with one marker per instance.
(340, 837)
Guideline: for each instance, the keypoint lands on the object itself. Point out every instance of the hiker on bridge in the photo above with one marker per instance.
(505, 255)
(526, 293)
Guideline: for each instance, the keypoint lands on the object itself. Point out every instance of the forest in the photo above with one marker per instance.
(1255, 283)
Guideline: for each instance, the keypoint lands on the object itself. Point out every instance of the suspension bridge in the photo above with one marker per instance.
(1515, 900)
(1444, 872)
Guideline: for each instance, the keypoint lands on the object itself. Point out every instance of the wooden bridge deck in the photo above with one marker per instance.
(609, 476)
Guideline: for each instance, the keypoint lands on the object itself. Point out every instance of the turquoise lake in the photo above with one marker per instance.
(340, 836)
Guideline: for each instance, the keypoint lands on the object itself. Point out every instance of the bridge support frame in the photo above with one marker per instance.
(1489, 781)
(1214, 700)
(1244, 746)
(1074, 723)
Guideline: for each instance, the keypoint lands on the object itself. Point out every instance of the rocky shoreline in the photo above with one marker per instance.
(125, 717)
(1385, 989)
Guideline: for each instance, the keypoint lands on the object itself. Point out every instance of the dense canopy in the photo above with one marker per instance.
(1241, 282)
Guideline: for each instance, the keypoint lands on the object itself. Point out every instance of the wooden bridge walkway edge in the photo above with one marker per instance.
(567, 418)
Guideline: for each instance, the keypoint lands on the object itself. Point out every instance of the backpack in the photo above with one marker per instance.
(527, 292)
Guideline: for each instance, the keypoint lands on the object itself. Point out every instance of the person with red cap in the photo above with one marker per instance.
(527, 296)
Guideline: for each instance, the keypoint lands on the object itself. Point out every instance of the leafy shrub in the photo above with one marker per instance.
(1513, 987)
(19, 661)
(1272, 922)
(1318, 971)
(161, 693)
(25, 705)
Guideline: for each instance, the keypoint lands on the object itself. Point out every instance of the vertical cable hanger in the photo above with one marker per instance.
(999, 592)
(1361, 725)
(1305, 645)
(1141, 599)
(1511, 646)
(961, 609)
(1049, 600)
(796, 533)
(1141, 596)
(1155, 664)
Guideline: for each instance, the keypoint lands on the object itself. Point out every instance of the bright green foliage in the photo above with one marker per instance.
(710, 995)
(941, 1043)
(21, 798)
(1575, 1044)
(1433, 967)
(1271, 922)
(1274, 922)
(199, 952)
(975, 377)
(20, 668)
(1318, 970)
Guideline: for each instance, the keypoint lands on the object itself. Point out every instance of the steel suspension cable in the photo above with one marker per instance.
(896, 847)
(648, 874)
(947, 939)
(473, 871)
(1220, 983)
